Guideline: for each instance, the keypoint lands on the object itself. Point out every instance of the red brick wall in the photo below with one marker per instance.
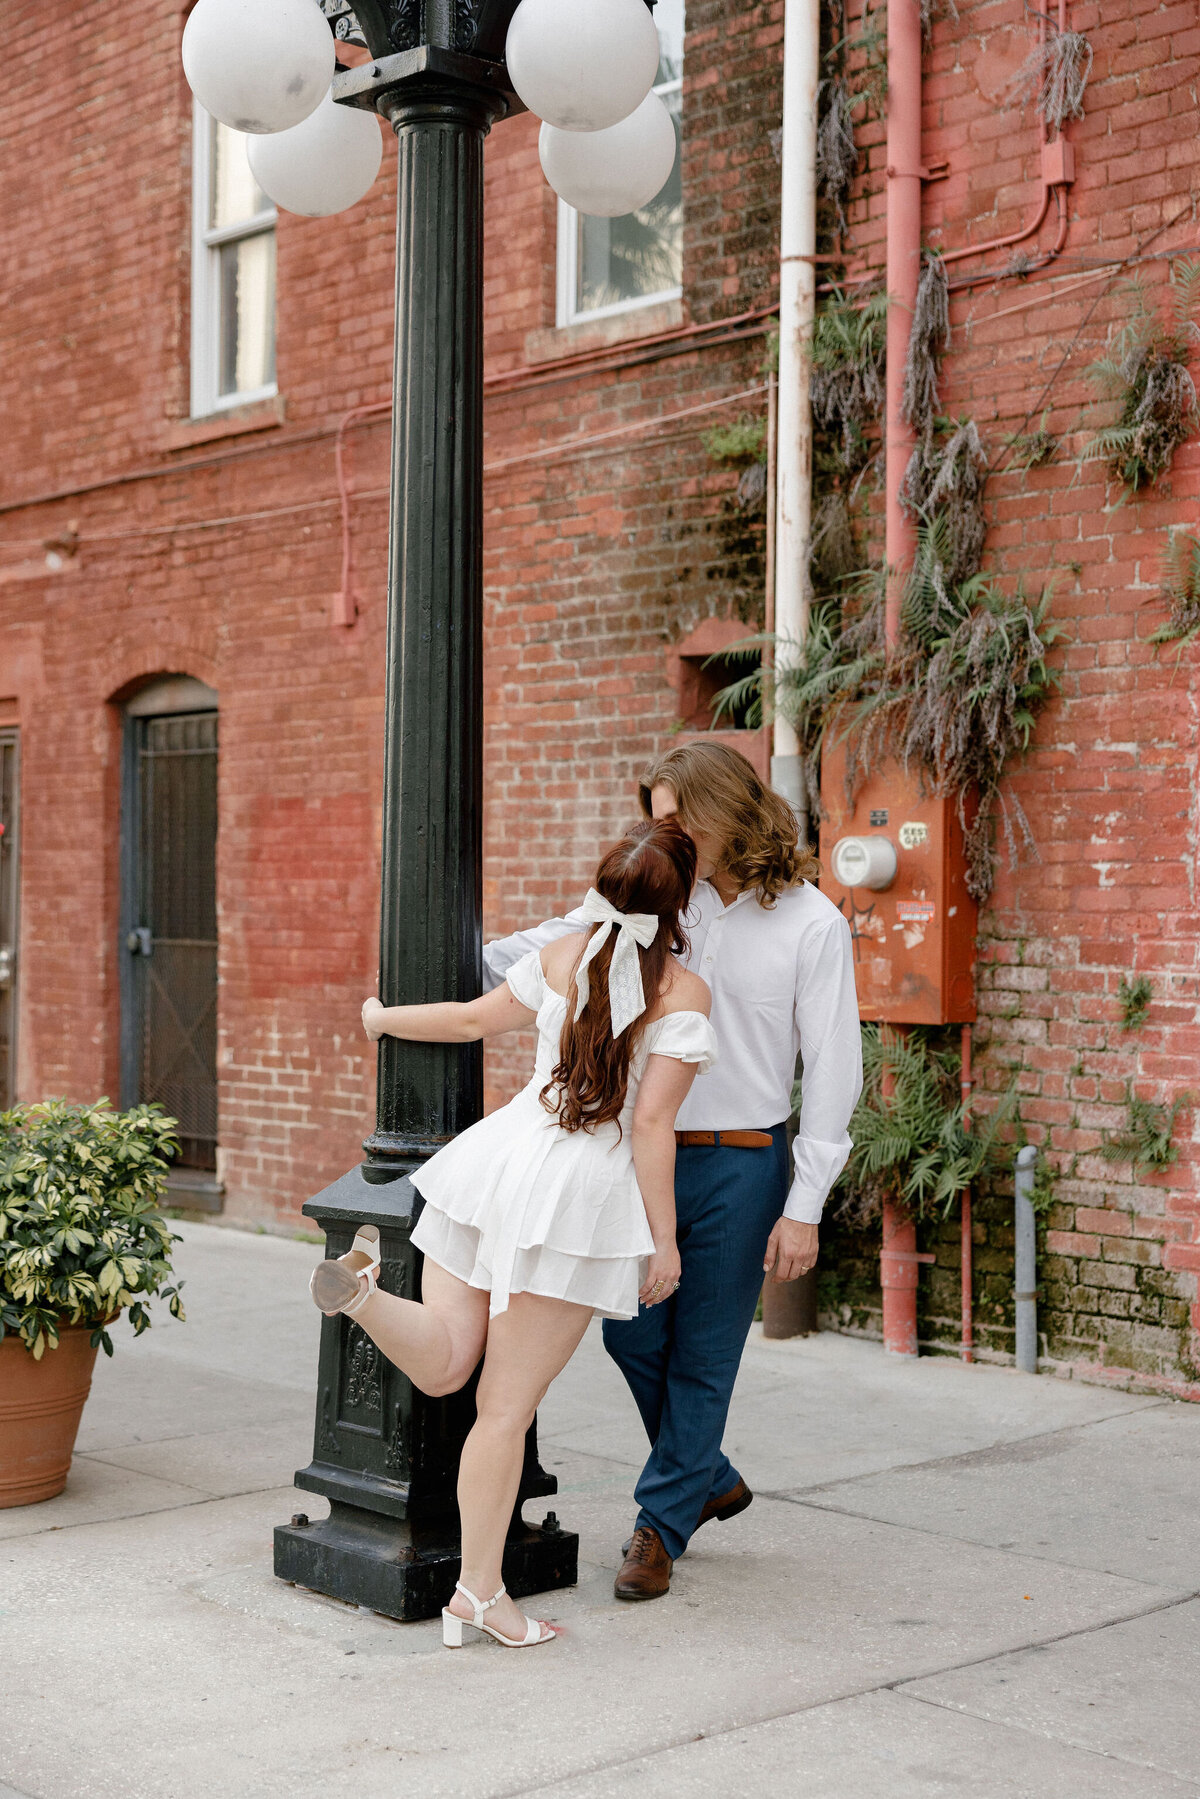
(1110, 783)
(597, 557)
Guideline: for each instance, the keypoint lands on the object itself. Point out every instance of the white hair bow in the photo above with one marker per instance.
(626, 998)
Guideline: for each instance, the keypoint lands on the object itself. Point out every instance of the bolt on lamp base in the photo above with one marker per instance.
(365, 1559)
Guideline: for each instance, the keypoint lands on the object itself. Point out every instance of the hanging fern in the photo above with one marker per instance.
(1181, 590)
(1055, 75)
(866, 54)
(1146, 371)
(833, 546)
(957, 698)
(946, 480)
(837, 152)
(974, 707)
(928, 341)
(1032, 449)
(913, 1146)
(848, 354)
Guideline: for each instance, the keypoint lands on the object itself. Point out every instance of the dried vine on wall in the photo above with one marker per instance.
(1146, 372)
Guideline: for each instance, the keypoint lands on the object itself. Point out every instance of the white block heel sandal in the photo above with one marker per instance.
(336, 1287)
(453, 1626)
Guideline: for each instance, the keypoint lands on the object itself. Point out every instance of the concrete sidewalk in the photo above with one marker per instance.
(952, 1579)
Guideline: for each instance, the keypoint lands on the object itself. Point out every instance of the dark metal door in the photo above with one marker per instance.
(10, 802)
(171, 929)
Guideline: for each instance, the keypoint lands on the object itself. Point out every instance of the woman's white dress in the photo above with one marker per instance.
(518, 1205)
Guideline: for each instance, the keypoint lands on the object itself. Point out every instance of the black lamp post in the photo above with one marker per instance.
(385, 1456)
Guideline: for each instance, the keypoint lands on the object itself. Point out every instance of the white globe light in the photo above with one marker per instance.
(582, 65)
(321, 166)
(607, 173)
(258, 65)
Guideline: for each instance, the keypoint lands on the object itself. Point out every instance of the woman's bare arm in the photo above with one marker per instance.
(449, 1021)
(663, 1090)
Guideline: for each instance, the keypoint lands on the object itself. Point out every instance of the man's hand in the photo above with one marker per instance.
(791, 1250)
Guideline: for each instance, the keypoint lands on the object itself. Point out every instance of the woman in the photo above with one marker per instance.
(557, 1206)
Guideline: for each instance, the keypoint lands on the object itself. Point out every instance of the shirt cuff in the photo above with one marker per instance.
(817, 1166)
(803, 1206)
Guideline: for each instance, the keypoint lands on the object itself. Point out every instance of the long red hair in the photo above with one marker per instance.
(652, 870)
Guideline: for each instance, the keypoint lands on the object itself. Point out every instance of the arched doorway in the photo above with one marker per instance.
(169, 922)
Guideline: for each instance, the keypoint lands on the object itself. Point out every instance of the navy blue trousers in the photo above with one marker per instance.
(681, 1358)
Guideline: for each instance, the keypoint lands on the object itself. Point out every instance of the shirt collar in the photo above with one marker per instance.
(717, 904)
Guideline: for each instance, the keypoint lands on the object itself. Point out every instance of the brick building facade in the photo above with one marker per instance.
(138, 542)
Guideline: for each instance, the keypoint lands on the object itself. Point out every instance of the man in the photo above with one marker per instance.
(777, 956)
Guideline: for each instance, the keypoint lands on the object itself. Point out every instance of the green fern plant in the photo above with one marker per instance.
(866, 53)
(848, 350)
(1032, 449)
(913, 1145)
(1135, 997)
(1146, 1142)
(1145, 371)
(1181, 590)
(957, 698)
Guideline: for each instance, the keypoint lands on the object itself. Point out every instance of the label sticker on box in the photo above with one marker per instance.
(915, 911)
(913, 833)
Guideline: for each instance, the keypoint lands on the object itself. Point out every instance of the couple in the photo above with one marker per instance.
(643, 1172)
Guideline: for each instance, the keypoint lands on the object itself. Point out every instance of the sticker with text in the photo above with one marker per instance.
(915, 911)
(913, 833)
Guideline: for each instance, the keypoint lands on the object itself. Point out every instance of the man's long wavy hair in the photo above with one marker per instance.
(652, 869)
(718, 794)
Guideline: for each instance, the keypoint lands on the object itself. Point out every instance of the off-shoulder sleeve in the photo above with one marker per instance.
(527, 980)
(688, 1036)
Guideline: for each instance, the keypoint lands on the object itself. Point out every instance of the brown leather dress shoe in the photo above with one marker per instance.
(727, 1505)
(646, 1571)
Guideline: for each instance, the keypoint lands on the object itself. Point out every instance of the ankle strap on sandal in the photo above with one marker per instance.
(481, 1605)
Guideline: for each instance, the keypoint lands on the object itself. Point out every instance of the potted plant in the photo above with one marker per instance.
(81, 1240)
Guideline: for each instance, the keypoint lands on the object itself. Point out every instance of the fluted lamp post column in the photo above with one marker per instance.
(385, 1456)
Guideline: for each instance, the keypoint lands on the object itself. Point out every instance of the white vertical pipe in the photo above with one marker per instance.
(797, 306)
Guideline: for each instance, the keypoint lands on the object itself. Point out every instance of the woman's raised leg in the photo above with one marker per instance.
(437, 1342)
(527, 1345)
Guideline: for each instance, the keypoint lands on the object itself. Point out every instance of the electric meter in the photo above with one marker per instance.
(865, 862)
(896, 869)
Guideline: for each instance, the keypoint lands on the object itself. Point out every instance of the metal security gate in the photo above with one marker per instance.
(10, 802)
(170, 1035)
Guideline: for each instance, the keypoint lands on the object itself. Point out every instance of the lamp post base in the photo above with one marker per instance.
(363, 1558)
(386, 1457)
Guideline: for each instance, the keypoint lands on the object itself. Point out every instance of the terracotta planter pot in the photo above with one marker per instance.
(41, 1404)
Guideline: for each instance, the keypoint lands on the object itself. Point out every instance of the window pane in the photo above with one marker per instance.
(247, 335)
(236, 195)
(639, 254)
(668, 16)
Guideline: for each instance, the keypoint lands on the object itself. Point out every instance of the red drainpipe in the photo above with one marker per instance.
(967, 1264)
(898, 1256)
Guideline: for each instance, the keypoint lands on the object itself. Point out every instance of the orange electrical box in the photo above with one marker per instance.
(893, 863)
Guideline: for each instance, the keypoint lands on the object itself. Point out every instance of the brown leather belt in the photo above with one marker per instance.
(724, 1139)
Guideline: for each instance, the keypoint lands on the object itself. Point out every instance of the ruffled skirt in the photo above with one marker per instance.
(517, 1205)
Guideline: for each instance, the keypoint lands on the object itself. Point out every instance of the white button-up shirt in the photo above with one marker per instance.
(782, 981)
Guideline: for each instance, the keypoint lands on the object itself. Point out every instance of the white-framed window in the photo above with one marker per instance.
(607, 266)
(233, 273)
